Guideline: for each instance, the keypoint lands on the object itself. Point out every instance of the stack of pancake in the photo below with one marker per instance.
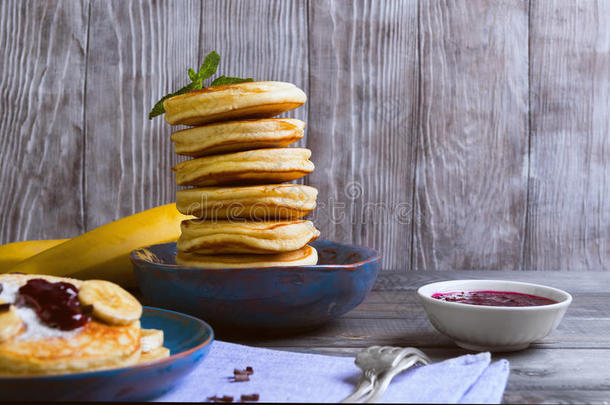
(245, 216)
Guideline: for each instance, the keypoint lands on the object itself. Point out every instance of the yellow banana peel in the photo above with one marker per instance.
(13, 253)
(103, 253)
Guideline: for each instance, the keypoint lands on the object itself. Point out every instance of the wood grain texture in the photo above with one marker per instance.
(571, 365)
(391, 319)
(569, 208)
(41, 120)
(471, 184)
(362, 105)
(138, 52)
(586, 282)
(418, 118)
(554, 396)
(262, 39)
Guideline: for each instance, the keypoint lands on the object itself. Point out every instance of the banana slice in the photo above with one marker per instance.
(10, 323)
(111, 303)
(156, 354)
(150, 339)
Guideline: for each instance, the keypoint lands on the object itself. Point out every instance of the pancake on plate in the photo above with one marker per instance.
(257, 237)
(275, 201)
(306, 256)
(66, 325)
(151, 342)
(236, 136)
(155, 354)
(233, 101)
(258, 166)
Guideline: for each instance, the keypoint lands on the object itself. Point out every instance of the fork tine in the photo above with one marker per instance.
(378, 361)
(384, 380)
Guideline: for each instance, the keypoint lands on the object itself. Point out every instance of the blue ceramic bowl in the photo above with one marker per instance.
(273, 297)
(188, 339)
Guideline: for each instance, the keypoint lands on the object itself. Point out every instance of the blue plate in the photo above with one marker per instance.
(189, 340)
(273, 297)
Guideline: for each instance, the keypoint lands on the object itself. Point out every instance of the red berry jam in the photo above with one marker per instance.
(56, 304)
(494, 298)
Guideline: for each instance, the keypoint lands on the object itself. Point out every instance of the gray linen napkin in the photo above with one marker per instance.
(281, 376)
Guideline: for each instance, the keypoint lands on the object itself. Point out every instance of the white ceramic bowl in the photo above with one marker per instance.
(493, 328)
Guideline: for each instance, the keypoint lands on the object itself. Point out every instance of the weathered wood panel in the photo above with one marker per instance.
(425, 158)
(470, 196)
(515, 395)
(262, 39)
(569, 208)
(41, 120)
(387, 318)
(138, 52)
(362, 106)
(585, 282)
(568, 366)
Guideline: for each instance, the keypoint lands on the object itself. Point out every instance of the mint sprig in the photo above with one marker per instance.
(207, 69)
(219, 81)
(158, 109)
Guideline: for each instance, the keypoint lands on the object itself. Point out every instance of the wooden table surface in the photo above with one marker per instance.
(571, 365)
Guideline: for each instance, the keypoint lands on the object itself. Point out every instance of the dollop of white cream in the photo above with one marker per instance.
(35, 329)
(9, 292)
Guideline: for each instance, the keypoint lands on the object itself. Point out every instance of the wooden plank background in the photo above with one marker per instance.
(447, 134)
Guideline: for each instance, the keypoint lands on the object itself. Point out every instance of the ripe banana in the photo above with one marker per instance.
(104, 252)
(111, 303)
(156, 354)
(150, 339)
(13, 253)
(10, 323)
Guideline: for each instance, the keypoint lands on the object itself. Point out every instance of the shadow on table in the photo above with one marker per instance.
(264, 335)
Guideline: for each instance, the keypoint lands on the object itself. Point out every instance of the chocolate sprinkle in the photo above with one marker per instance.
(5, 307)
(247, 371)
(224, 398)
(251, 397)
(241, 378)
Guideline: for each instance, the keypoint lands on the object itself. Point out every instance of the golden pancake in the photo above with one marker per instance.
(20, 279)
(97, 346)
(155, 354)
(276, 201)
(233, 101)
(11, 324)
(39, 349)
(235, 136)
(250, 167)
(306, 256)
(150, 339)
(258, 237)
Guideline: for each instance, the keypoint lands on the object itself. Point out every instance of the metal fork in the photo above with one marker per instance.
(375, 361)
(383, 381)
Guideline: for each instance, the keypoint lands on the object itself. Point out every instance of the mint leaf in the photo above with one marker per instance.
(229, 80)
(192, 75)
(209, 65)
(207, 69)
(158, 109)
